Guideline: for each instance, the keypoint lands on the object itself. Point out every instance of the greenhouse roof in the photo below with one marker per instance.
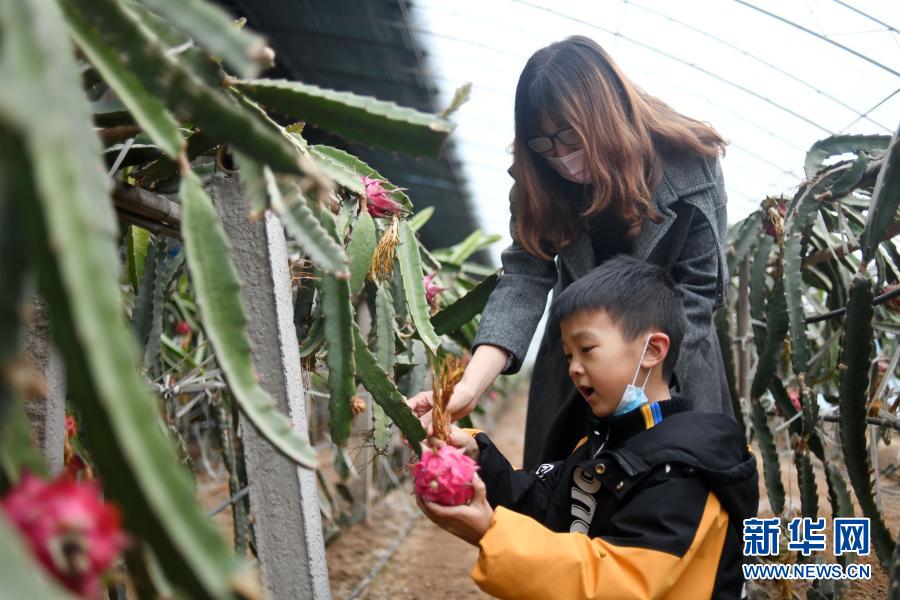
(367, 48)
(772, 77)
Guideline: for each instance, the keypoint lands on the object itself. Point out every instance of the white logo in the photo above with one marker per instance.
(583, 502)
(544, 469)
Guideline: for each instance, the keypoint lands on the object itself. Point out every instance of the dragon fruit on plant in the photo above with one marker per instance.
(182, 328)
(72, 460)
(378, 200)
(444, 476)
(72, 532)
(432, 289)
(893, 305)
(71, 426)
(774, 211)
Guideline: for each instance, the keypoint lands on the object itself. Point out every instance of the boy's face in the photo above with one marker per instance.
(601, 362)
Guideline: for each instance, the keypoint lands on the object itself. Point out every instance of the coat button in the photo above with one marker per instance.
(619, 486)
(600, 468)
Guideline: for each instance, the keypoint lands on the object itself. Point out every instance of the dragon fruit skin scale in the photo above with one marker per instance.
(444, 476)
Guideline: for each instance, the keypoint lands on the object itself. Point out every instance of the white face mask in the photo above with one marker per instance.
(571, 166)
(635, 396)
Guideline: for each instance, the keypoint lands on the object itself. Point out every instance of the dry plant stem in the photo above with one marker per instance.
(112, 135)
(146, 209)
(443, 383)
(127, 218)
(382, 266)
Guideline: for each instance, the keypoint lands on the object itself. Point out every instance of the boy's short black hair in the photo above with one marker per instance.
(637, 295)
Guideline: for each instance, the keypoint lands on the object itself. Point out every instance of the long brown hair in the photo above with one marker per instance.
(576, 83)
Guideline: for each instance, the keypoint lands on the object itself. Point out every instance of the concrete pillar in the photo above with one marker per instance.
(284, 498)
(47, 415)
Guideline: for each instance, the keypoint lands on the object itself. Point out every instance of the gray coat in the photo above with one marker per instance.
(688, 242)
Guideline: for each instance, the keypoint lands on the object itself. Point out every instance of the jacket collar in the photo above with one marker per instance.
(612, 432)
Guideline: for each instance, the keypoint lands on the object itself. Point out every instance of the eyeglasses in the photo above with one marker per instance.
(544, 144)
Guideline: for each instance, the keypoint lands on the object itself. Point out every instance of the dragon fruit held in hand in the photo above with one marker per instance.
(444, 476)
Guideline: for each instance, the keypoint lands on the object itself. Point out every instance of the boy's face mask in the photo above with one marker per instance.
(571, 166)
(634, 396)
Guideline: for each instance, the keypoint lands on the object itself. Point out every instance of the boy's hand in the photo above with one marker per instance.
(467, 522)
(458, 439)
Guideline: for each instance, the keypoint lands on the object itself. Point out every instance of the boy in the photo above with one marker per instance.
(651, 502)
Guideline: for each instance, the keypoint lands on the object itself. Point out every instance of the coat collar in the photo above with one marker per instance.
(578, 256)
(616, 430)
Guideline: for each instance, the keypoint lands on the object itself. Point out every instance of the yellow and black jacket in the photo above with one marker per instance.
(649, 505)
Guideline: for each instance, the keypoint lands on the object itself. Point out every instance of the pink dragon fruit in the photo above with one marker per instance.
(378, 201)
(893, 305)
(774, 212)
(71, 531)
(444, 476)
(432, 289)
(182, 328)
(71, 426)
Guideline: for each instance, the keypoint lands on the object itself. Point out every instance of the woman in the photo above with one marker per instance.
(600, 168)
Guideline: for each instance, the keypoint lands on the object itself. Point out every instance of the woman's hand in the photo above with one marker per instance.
(462, 402)
(468, 522)
(486, 363)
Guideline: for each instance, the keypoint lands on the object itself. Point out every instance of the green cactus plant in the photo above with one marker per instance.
(856, 348)
(819, 271)
(361, 118)
(176, 118)
(885, 200)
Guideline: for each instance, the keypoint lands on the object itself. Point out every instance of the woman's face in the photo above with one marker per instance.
(549, 128)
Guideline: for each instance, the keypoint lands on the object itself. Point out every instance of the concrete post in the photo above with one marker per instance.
(284, 498)
(47, 415)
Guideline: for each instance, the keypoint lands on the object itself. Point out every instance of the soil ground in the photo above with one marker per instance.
(877, 586)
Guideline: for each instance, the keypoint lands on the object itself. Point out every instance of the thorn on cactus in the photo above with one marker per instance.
(70, 530)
